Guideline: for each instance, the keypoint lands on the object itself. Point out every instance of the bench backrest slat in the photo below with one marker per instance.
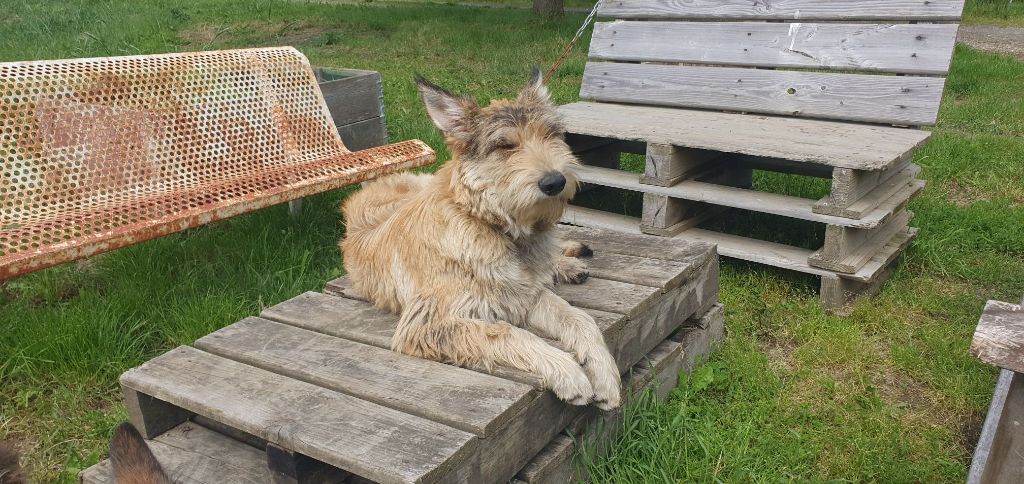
(763, 57)
(919, 10)
(897, 48)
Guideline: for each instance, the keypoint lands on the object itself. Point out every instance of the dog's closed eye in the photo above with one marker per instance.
(506, 145)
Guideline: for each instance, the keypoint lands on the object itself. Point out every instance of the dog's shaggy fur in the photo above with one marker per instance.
(467, 255)
(10, 468)
(132, 460)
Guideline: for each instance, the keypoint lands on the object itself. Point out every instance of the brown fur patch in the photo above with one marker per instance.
(132, 460)
(10, 468)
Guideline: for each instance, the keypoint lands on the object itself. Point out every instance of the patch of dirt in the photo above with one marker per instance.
(964, 195)
(996, 40)
(274, 33)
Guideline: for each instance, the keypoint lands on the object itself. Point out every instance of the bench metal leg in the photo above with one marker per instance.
(295, 207)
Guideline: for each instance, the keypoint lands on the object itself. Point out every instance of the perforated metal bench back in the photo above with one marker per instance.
(784, 57)
(110, 151)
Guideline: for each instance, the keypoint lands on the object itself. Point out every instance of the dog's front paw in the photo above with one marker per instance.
(604, 377)
(569, 270)
(573, 386)
(607, 390)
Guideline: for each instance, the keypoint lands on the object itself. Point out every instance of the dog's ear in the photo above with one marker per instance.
(536, 89)
(132, 460)
(447, 110)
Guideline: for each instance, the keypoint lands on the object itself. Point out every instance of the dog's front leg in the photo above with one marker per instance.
(555, 318)
(474, 343)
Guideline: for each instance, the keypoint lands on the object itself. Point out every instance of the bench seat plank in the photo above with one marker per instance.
(830, 143)
(901, 48)
(746, 199)
(377, 442)
(999, 337)
(907, 100)
(921, 10)
(463, 399)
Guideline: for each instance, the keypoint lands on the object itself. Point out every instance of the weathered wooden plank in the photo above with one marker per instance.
(997, 456)
(902, 48)
(460, 398)
(745, 248)
(636, 244)
(999, 337)
(779, 165)
(340, 430)
(742, 198)
(666, 165)
(918, 10)
(823, 142)
(907, 100)
(351, 95)
(849, 186)
(903, 183)
(848, 249)
(838, 294)
(662, 274)
(609, 296)
(193, 454)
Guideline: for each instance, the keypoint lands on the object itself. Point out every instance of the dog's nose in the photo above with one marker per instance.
(552, 183)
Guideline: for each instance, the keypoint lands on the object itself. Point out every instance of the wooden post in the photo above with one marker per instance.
(150, 415)
(847, 249)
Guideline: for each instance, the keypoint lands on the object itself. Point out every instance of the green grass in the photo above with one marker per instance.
(1004, 13)
(889, 393)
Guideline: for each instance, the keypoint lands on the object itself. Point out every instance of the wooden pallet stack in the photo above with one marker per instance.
(711, 91)
(309, 391)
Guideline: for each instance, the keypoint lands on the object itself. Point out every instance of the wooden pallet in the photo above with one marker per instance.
(311, 383)
(710, 91)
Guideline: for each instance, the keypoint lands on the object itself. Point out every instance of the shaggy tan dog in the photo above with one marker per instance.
(467, 255)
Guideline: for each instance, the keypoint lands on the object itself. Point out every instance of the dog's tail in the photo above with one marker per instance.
(132, 460)
(375, 203)
(10, 470)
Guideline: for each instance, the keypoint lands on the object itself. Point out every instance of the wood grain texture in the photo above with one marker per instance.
(999, 337)
(346, 432)
(920, 10)
(453, 396)
(829, 143)
(848, 249)
(745, 248)
(666, 165)
(193, 454)
(906, 100)
(699, 191)
(901, 185)
(901, 48)
(634, 244)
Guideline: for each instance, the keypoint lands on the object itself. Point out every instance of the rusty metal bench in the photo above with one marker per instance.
(711, 90)
(97, 154)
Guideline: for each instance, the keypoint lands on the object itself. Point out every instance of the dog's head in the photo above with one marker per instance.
(510, 165)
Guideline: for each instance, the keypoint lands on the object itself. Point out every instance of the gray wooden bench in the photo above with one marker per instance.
(711, 90)
(97, 154)
(310, 389)
(999, 341)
